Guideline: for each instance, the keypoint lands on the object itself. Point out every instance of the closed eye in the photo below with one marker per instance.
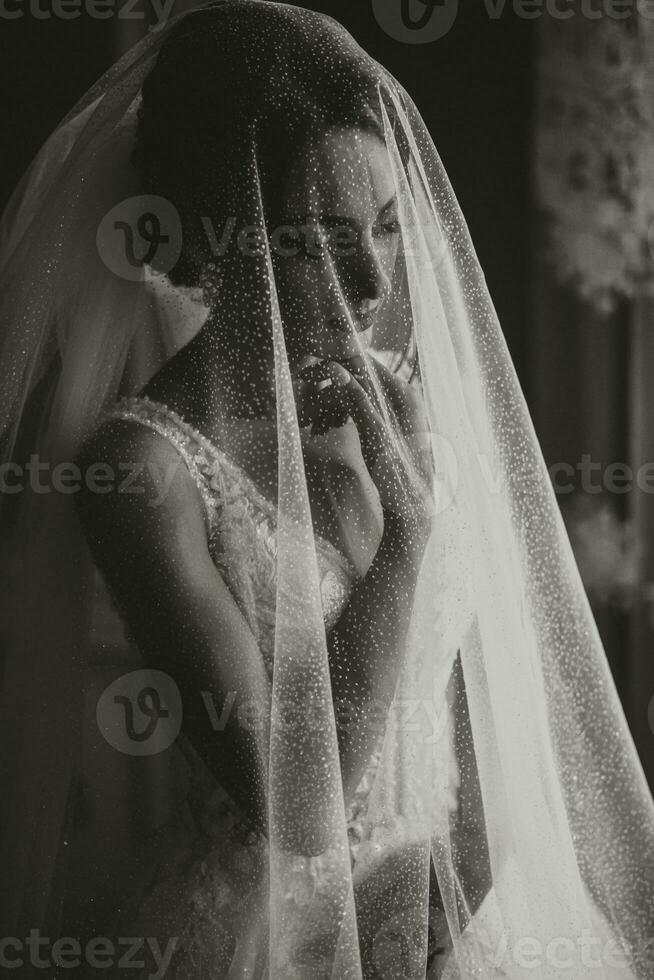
(391, 226)
(388, 221)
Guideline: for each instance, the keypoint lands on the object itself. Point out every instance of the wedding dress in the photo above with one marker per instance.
(211, 864)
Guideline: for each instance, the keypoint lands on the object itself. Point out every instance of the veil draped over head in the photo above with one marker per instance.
(507, 829)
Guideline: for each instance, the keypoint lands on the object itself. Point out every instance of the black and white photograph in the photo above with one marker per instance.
(327, 490)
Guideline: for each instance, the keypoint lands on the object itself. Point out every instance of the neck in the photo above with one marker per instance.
(212, 377)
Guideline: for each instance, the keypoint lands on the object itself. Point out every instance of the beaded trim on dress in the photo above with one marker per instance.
(241, 524)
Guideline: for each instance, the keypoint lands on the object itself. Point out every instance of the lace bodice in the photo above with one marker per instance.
(241, 520)
(242, 543)
(242, 525)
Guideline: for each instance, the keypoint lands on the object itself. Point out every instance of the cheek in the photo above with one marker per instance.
(303, 298)
(304, 285)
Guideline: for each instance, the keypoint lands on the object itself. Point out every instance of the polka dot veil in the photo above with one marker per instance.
(239, 259)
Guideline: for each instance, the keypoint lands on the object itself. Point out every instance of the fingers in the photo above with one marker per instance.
(331, 379)
(326, 371)
(337, 390)
(330, 410)
(362, 377)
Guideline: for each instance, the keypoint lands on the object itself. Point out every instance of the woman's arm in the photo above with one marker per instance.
(366, 647)
(150, 542)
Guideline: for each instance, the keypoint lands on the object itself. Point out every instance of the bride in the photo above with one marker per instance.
(338, 557)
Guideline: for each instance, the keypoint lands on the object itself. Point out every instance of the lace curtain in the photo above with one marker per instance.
(595, 154)
(593, 309)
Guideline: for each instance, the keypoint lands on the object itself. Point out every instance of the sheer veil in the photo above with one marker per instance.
(550, 846)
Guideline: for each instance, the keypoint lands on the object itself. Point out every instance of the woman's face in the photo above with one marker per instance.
(336, 244)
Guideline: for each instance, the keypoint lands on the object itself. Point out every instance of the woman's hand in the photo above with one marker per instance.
(337, 393)
(407, 407)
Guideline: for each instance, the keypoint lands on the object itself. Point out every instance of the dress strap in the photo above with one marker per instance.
(159, 418)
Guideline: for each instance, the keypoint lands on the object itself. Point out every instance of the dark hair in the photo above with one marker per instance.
(242, 84)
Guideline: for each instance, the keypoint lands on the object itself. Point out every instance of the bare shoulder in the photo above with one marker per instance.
(135, 480)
